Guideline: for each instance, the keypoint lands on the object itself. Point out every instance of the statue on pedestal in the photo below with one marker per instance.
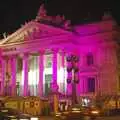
(52, 20)
(55, 95)
(42, 13)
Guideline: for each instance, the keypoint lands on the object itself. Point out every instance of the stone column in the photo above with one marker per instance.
(13, 76)
(2, 76)
(54, 85)
(63, 67)
(41, 73)
(25, 74)
(86, 84)
(99, 86)
(78, 86)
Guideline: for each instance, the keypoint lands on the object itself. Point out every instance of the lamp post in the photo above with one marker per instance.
(73, 75)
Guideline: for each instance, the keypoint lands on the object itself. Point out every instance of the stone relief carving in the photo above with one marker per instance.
(36, 32)
(58, 21)
(42, 12)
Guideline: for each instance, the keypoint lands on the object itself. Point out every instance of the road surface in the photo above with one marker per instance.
(109, 118)
(100, 118)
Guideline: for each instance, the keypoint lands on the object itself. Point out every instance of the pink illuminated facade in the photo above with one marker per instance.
(34, 56)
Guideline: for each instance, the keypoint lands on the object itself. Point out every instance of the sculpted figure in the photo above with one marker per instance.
(42, 12)
(67, 24)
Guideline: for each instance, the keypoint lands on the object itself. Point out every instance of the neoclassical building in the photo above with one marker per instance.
(34, 56)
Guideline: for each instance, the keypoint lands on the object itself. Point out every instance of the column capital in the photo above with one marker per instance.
(22, 55)
(4, 57)
(25, 55)
(13, 56)
(55, 50)
(41, 51)
(62, 52)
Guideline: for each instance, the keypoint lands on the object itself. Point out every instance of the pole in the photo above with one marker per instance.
(74, 69)
(74, 97)
(56, 102)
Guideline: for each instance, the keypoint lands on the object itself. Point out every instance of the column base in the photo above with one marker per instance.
(54, 87)
(69, 89)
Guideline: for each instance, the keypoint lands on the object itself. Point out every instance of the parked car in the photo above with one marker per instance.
(79, 112)
(12, 114)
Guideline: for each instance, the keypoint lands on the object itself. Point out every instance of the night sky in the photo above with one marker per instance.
(13, 13)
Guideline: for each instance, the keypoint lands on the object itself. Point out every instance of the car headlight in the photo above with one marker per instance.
(24, 119)
(63, 117)
(75, 109)
(58, 114)
(95, 112)
(34, 118)
(66, 112)
(12, 117)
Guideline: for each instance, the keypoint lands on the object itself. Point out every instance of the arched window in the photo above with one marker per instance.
(91, 84)
(90, 59)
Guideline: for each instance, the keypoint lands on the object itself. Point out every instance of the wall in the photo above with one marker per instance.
(98, 38)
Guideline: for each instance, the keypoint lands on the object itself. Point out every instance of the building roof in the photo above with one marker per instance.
(47, 30)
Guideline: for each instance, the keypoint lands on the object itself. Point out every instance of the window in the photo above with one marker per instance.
(48, 78)
(48, 61)
(89, 59)
(91, 84)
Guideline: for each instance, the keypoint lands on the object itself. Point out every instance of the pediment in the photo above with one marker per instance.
(33, 31)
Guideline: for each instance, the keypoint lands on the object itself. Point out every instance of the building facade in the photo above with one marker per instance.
(34, 56)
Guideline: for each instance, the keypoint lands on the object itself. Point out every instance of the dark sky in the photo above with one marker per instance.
(13, 13)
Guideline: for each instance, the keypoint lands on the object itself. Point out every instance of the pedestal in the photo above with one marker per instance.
(54, 87)
(74, 96)
(55, 95)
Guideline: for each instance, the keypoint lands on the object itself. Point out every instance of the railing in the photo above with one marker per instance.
(47, 88)
(33, 90)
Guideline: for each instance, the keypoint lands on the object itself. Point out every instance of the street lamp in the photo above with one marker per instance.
(73, 74)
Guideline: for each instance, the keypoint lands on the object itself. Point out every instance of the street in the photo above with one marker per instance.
(100, 118)
(109, 118)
